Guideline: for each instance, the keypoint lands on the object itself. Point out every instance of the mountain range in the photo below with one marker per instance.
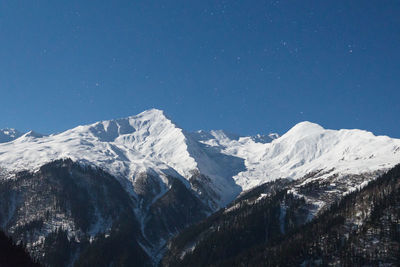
(74, 191)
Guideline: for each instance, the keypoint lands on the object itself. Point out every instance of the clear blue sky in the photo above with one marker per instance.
(243, 66)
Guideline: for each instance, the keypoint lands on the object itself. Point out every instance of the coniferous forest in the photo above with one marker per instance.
(267, 226)
(14, 255)
(361, 229)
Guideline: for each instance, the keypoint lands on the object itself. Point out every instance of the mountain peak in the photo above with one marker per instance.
(152, 116)
(152, 112)
(109, 130)
(305, 128)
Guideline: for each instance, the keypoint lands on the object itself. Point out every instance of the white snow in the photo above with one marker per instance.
(151, 142)
(124, 147)
(308, 147)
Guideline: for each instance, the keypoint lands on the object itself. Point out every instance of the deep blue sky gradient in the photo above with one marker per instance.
(243, 66)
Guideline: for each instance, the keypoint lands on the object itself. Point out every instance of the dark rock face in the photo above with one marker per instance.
(172, 212)
(166, 210)
(203, 186)
(147, 187)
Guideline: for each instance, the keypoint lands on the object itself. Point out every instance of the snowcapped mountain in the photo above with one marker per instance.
(148, 142)
(338, 160)
(124, 146)
(308, 148)
(8, 134)
(151, 142)
(172, 178)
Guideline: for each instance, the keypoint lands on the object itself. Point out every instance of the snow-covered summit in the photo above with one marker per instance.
(123, 146)
(308, 147)
(147, 142)
(151, 142)
(110, 130)
(305, 148)
(304, 128)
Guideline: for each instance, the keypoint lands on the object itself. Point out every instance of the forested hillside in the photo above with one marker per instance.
(361, 229)
(14, 255)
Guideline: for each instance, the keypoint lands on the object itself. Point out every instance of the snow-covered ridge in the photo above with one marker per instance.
(308, 147)
(151, 142)
(125, 146)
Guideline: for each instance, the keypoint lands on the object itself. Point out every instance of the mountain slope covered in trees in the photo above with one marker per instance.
(69, 214)
(363, 228)
(14, 255)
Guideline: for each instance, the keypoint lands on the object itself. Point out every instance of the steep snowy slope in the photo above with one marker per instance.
(305, 149)
(152, 143)
(124, 147)
(146, 143)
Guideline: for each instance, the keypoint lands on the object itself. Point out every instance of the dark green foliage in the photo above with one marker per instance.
(58, 249)
(64, 189)
(14, 255)
(29, 227)
(267, 188)
(248, 223)
(120, 248)
(79, 190)
(177, 207)
(174, 211)
(334, 236)
(361, 229)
